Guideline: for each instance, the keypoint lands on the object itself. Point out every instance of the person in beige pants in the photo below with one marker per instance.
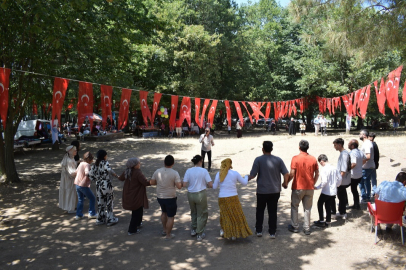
(304, 171)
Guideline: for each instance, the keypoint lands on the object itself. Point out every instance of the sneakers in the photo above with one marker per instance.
(193, 233)
(77, 218)
(221, 233)
(319, 223)
(99, 222)
(200, 237)
(92, 217)
(293, 229)
(132, 233)
(273, 236)
(307, 232)
(365, 200)
(113, 222)
(259, 234)
(338, 215)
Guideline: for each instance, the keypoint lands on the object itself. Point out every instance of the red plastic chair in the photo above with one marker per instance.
(387, 213)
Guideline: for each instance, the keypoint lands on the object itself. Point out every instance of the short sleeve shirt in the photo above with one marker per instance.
(269, 169)
(305, 166)
(368, 148)
(357, 157)
(166, 179)
(342, 166)
(197, 177)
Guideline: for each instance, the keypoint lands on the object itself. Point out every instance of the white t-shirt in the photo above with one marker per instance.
(322, 122)
(330, 180)
(197, 177)
(207, 142)
(357, 156)
(228, 187)
(165, 182)
(368, 148)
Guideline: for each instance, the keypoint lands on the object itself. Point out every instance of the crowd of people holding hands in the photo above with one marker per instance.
(355, 168)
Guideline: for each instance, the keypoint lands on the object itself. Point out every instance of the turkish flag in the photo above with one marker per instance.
(125, 108)
(228, 110)
(380, 96)
(333, 105)
(106, 94)
(205, 105)
(404, 94)
(301, 104)
(355, 103)
(212, 112)
(4, 83)
(146, 113)
(347, 99)
(60, 86)
(256, 108)
(174, 108)
(185, 110)
(364, 100)
(249, 115)
(268, 110)
(155, 106)
(85, 103)
(197, 112)
(239, 112)
(34, 108)
(392, 89)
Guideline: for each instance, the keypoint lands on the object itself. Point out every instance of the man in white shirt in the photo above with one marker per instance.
(330, 180)
(167, 180)
(368, 166)
(316, 122)
(197, 180)
(323, 126)
(357, 157)
(344, 168)
(207, 142)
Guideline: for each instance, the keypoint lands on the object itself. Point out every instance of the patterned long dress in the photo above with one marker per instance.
(104, 191)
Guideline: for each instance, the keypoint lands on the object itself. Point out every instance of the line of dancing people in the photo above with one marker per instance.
(353, 168)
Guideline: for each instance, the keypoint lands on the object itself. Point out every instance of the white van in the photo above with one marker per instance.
(29, 128)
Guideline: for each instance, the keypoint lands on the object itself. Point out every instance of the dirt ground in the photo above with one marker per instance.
(36, 234)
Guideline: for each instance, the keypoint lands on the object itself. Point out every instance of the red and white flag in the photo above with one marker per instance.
(212, 112)
(256, 110)
(249, 115)
(174, 108)
(268, 110)
(239, 112)
(364, 100)
(185, 111)
(125, 108)
(205, 105)
(228, 110)
(380, 96)
(197, 112)
(155, 106)
(106, 94)
(146, 113)
(60, 86)
(85, 103)
(4, 84)
(392, 89)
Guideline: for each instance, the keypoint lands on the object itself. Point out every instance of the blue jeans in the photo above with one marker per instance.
(85, 191)
(365, 184)
(373, 180)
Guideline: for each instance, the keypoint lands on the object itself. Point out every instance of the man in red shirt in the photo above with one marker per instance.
(304, 171)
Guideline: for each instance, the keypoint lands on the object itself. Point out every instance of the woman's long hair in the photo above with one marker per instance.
(100, 156)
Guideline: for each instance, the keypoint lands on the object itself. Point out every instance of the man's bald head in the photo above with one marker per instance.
(353, 144)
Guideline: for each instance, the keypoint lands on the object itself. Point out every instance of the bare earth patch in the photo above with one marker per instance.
(36, 234)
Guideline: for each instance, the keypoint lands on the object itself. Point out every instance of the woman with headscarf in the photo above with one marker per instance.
(134, 193)
(197, 180)
(100, 173)
(76, 143)
(82, 182)
(232, 219)
(67, 190)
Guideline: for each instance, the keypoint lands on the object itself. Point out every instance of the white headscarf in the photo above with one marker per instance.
(68, 160)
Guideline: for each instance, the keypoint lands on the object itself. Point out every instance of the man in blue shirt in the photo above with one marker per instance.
(393, 192)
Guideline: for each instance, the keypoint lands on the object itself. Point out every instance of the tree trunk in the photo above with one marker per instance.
(2, 155)
(11, 172)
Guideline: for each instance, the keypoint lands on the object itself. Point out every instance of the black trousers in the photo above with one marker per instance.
(208, 157)
(136, 219)
(270, 201)
(342, 200)
(354, 190)
(327, 201)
